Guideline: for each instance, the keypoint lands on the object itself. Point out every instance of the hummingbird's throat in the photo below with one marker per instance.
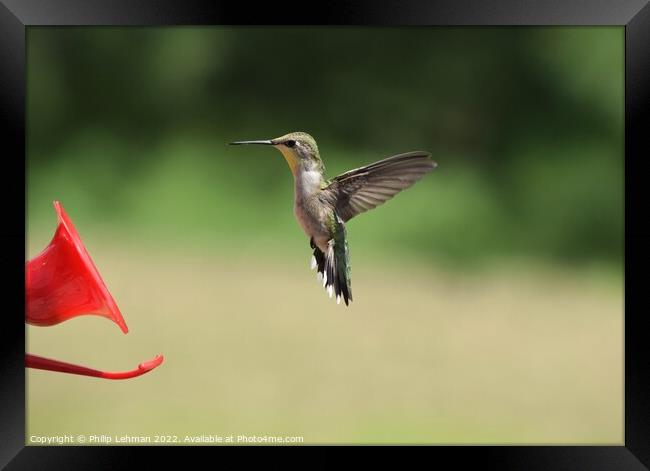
(292, 159)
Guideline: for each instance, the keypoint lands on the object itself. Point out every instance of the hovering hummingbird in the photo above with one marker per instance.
(322, 206)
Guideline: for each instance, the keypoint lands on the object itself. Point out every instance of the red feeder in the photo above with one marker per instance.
(62, 282)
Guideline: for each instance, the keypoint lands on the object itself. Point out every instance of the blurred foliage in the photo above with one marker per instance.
(127, 127)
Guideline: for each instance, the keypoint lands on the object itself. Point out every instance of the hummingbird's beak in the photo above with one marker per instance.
(238, 143)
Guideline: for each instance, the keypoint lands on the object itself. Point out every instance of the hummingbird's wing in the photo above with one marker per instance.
(365, 188)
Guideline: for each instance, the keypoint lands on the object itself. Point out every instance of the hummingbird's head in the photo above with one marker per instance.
(298, 148)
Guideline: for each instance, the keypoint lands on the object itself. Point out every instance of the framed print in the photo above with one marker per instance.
(464, 180)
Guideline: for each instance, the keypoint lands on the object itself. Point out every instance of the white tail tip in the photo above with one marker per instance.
(338, 299)
(312, 265)
(330, 290)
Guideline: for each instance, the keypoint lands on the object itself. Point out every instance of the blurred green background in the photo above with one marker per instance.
(488, 297)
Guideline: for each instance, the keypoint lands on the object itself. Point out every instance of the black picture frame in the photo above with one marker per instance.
(634, 15)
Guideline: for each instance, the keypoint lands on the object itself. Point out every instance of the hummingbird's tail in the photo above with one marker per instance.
(334, 265)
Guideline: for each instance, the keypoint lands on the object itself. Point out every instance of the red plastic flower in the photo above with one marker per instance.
(62, 282)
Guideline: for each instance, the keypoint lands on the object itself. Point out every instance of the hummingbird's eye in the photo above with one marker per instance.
(290, 143)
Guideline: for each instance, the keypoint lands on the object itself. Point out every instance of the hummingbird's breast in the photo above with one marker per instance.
(311, 213)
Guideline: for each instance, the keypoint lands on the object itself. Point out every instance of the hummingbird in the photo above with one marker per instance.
(322, 207)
